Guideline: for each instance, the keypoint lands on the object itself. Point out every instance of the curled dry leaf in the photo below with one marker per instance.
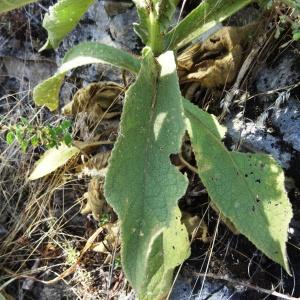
(95, 166)
(95, 100)
(96, 203)
(216, 61)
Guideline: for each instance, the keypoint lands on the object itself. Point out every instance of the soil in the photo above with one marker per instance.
(41, 232)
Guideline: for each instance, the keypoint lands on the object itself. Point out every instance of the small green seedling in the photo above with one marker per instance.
(49, 136)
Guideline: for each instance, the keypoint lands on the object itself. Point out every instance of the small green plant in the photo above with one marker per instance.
(141, 184)
(49, 136)
(72, 255)
(293, 20)
(296, 23)
(104, 219)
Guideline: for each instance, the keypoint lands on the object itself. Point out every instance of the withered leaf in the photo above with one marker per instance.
(96, 167)
(96, 203)
(95, 99)
(215, 62)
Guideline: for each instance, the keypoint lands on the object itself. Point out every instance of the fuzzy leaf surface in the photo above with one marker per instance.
(7, 5)
(47, 92)
(203, 18)
(141, 184)
(247, 188)
(169, 250)
(52, 159)
(162, 14)
(165, 12)
(141, 29)
(62, 19)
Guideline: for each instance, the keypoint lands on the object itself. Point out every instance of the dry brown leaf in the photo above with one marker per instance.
(95, 100)
(196, 228)
(96, 203)
(216, 61)
(111, 241)
(95, 166)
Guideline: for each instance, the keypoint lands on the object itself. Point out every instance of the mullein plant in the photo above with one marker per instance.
(141, 184)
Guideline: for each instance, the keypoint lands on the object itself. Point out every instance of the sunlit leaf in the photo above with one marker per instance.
(62, 18)
(247, 188)
(52, 160)
(141, 184)
(47, 92)
(203, 18)
(7, 5)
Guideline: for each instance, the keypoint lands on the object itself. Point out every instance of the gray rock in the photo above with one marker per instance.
(254, 138)
(97, 26)
(212, 289)
(29, 72)
(282, 134)
(182, 290)
(215, 290)
(287, 120)
(57, 291)
(114, 8)
(284, 73)
(121, 29)
(93, 26)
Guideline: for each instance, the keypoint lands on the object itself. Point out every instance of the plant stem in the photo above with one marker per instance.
(155, 37)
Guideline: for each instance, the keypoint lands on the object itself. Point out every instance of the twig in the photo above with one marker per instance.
(64, 274)
(248, 285)
(234, 91)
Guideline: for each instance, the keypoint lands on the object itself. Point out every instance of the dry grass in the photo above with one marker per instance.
(43, 230)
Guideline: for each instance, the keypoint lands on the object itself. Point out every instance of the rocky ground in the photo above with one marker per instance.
(41, 227)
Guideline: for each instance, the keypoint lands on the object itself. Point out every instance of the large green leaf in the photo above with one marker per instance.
(201, 19)
(141, 184)
(47, 92)
(7, 5)
(169, 250)
(247, 188)
(62, 18)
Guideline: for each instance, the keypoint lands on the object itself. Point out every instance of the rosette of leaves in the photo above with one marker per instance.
(141, 184)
